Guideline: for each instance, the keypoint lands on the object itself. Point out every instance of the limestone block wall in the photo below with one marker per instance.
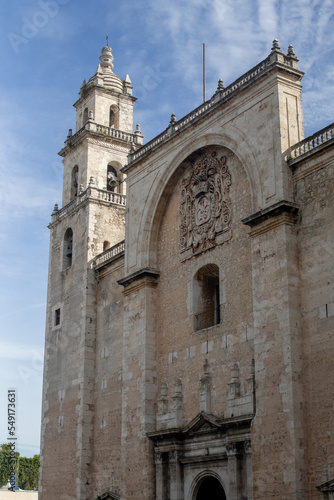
(277, 437)
(107, 469)
(314, 183)
(107, 223)
(181, 350)
(138, 388)
(66, 359)
(71, 348)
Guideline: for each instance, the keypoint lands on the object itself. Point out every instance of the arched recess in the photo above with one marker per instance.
(74, 182)
(85, 117)
(68, 248)
(207, 485)
(114, 116)
(115, 178)
(149, 227)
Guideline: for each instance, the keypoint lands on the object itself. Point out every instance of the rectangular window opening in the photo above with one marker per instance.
(57, 317)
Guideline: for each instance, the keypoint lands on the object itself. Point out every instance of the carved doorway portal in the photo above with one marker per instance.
(210, 488)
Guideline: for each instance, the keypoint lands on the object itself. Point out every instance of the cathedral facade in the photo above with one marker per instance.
(190, 311)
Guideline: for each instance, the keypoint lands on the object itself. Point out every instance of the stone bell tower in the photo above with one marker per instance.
(91, 220)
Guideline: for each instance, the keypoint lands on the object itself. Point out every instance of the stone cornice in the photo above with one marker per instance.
(216, 425)
(139, 279)
(100, 132)
(282, 212)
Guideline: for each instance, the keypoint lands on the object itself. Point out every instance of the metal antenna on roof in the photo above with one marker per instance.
(203, 72)
(107, 38)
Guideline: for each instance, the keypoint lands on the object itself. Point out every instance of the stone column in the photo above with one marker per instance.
(175, 472)
(232, 465)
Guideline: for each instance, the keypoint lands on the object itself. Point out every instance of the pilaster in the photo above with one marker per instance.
(139, 383)
(277, 425)
(232, 456)
(175, 470)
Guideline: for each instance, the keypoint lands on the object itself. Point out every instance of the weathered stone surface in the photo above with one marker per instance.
(204, 350)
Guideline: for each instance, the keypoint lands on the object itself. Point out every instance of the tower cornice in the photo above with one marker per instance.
(103, 134)
(90, 88)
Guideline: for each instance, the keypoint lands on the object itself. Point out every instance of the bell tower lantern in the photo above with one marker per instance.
(104, 117)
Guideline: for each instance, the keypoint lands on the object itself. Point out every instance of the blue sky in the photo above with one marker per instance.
(47, 48)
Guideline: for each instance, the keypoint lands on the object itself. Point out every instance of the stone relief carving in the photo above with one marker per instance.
(205, 210)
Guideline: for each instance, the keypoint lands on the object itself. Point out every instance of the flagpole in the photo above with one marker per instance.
(203, 72)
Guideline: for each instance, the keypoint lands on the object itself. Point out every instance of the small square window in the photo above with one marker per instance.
(57, 317)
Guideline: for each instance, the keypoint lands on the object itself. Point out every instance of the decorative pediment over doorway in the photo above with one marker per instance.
(206, 446)
(327, 488)
(205, 211)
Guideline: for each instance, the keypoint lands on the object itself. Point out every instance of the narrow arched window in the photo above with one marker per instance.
(206, 297)
(74, 182)
(68, 248)
(113, 116)
(85, 117)
(112, 180)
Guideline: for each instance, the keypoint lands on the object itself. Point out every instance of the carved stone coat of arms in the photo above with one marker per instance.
(205, 210)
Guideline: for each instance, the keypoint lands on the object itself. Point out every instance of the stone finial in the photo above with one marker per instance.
(234, 384)
(275, 45)
(55, 208)
(137, 131)
(91, 181)
(163, 390)
(69, 135)
(235, 371)
(177, 403)
(291, 57)
(250, 378)
(127, 85)
(107, 58)
(163, 401)
(172, 119)
(133, 149)
(220, 85)
(91, 115)
(127, 80)
(178, 387)
(205, 394)
(81, 188)
(83, 84)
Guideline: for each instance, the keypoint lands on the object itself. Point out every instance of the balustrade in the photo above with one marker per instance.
(90, 193)
(203, 108)
(110, 253)
(312, 142)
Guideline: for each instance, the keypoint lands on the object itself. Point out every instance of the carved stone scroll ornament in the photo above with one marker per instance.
(205, 210)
